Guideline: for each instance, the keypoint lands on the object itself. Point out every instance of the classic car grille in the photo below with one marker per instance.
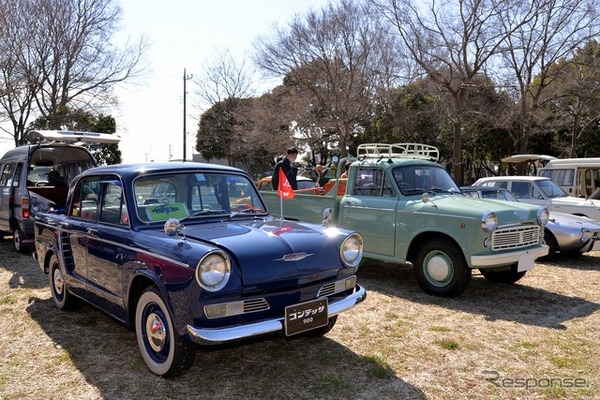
(515, 237)
(255, 305)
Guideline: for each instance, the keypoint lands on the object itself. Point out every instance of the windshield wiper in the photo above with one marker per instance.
(247, 210)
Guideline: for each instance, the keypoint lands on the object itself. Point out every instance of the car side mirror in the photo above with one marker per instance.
(172, 227)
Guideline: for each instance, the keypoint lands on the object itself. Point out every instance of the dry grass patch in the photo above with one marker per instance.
(400, 343)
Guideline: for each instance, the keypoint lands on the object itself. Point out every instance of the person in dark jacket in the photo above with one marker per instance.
(289, 169)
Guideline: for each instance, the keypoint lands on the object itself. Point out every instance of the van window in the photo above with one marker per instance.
(17, 175)
(562, 177)
(37, 175)
(7, 173)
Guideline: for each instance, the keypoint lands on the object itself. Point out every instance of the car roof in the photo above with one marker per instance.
(513, 178)
(481, 188)
(142, 168)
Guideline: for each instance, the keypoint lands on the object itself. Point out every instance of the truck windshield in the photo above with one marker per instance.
(412, 180)
(195, 194)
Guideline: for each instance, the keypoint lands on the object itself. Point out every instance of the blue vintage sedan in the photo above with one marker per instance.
(187, 253)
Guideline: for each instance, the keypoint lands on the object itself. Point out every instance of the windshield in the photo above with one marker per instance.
(550, 189)
(424, 178)
(198, 194)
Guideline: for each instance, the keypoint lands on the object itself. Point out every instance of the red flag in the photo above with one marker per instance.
(284, 189)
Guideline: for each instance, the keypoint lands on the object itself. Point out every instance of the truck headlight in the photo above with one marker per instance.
(489, 221)
(351, 250)
(543, 215)
(213, 270)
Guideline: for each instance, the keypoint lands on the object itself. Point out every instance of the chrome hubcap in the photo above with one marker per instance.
(438, 268)
(59, 282)
(155, 329)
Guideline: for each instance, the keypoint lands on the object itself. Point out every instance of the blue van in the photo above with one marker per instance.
(35, 178)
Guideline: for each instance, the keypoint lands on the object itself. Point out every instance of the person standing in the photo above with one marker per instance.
(287, 164)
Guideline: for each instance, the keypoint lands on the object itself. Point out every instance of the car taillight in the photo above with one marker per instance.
(25, 207)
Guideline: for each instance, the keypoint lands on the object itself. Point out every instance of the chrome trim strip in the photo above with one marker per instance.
(133, 249)
(217, 336)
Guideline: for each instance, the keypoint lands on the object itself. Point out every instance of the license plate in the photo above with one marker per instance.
(305, 316)
(526, 262)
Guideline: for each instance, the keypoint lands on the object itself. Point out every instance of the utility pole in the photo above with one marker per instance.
(185, 79)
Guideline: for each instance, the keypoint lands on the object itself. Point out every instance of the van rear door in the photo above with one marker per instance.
(7, 182)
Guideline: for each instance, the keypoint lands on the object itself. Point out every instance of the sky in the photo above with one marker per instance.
(185, 35)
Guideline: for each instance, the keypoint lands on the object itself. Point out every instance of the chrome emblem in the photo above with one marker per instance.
(293, 257)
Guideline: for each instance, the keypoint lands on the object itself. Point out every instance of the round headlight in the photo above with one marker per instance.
(489, 221)
(213, 270)
(351, 250)
(543, 215)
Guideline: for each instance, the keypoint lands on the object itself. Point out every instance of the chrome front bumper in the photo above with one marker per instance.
(493, 260)
(216, 336)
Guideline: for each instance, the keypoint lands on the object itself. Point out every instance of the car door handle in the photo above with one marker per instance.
(65, 225)
(91, 231)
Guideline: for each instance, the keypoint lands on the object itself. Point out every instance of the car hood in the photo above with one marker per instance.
(507, 212)
(282, 252)
(574, 220)
(574, 202)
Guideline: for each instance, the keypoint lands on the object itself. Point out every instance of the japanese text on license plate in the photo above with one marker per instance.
(305, 316)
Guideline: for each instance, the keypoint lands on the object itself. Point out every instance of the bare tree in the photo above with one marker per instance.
(80, 63)
(452, 41)
(225, 78)
(225, 86)
(558, 28)
(340, 55)
(575, 105)
(69, 56)
(19, 72)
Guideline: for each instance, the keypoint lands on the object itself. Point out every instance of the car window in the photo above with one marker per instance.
(372, 182)
(194, 194)
(85, 199)
(562, 177)
(414, 180)
(6, 177)
(113, 208)
(521, 190)
(551, 189)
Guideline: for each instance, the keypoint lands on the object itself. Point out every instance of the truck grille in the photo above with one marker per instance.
(515, 237)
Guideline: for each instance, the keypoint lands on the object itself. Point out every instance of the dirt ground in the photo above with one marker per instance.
(537, 339)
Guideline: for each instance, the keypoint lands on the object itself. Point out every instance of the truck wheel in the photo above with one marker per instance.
(441, 269)
(161, 347)
(510, 276)
(58, 287)
(18, 242)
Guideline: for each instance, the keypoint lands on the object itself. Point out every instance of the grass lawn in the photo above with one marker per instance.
(537, 339)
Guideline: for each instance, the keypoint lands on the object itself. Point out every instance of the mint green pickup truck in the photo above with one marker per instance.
(409, 210)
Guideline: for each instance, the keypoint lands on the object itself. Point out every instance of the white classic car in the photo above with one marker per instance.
(542, 191)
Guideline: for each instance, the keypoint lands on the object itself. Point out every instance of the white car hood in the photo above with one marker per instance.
(574, 202)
